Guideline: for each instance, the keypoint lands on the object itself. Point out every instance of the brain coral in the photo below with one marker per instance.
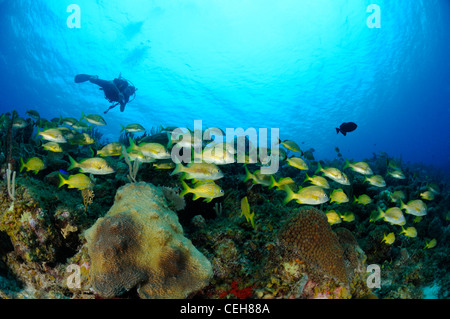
(307, 236)
(140, 243)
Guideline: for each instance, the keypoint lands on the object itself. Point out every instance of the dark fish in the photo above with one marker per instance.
(346, 127)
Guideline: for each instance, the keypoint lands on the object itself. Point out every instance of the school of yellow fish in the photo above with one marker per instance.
(331, 186)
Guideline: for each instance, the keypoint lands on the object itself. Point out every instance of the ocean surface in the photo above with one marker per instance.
(301, 66)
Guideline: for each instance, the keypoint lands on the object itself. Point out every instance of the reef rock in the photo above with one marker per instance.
(140, 244)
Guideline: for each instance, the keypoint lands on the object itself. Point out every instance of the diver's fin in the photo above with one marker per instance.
(80, 78)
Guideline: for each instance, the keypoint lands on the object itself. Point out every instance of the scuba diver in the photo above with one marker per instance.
(118, 90)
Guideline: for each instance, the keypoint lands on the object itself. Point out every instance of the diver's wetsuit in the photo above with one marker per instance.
(112, 93)
(117, 90)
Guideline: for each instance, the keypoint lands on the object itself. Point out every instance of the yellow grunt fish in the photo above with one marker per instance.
(333, 174)
(111, 149)
(398, 174)
(348, 217)
(311, 195)
(153, 150)
(132, 128)
(388, 239)
(81, 139)
(52, 147)
(362, 199)
(333, 217)
(207, 190)
(200, 171)
(359, 167)
(409, 232)
(94, 165)
(397, 196)
(258, 178)
(164, 165)
(318, 181)
(282, 182)
(376, 180)
(34, 164)
(245, 211)
(78, 181)
(430, 244)
(52, 135)
(428, 195)
(392, 215)
(290, 145)
(297, 162)
(338, 196)
(415, 207)
(93, 119)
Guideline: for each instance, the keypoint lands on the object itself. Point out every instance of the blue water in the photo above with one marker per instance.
(298, 65)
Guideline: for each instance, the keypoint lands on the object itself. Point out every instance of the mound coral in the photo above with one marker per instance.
(140, 243)
(308, 237)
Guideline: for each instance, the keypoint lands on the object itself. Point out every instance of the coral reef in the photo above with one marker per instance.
(307, 236)
(60, 243)
(140, 243)
(29, 228)
(309, 260)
